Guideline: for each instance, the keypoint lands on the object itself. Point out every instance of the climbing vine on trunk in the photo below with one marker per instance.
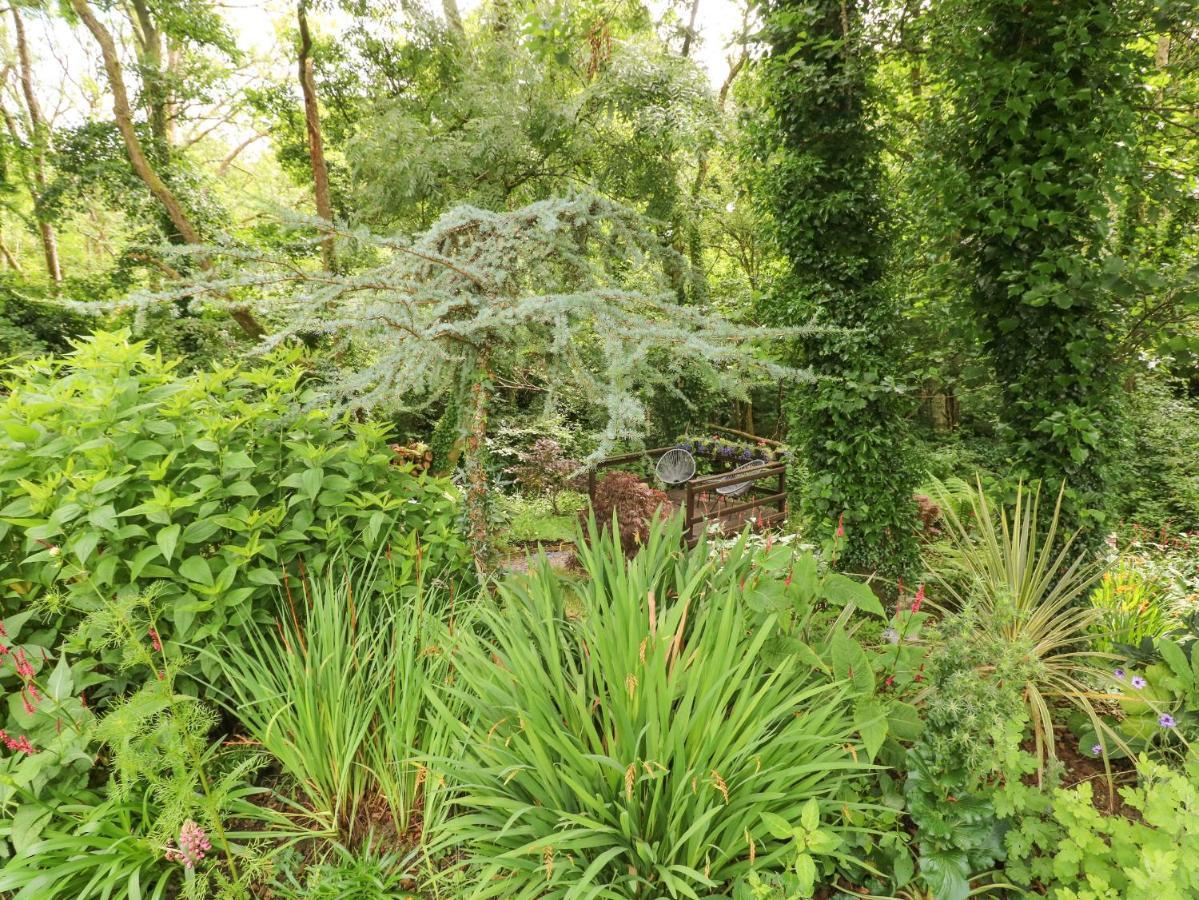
(817, 138)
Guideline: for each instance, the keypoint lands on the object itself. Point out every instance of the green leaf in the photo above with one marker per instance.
(199, 531)
(841, 590)
(809, 816)
(27, 824)
(195, 568)
(61, 683)
(850, 662)
(167, 540)
(141, 559)
(805, 871)
(777, 826)
(1172, 654)
(18, 431)
(84, 544)
(310, 483)
(262, 575)
(903, 721)
(871, 720)
(145, 449)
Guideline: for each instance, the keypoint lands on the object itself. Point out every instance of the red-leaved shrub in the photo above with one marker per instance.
(634, 503)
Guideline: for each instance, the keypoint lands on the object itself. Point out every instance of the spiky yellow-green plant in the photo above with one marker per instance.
(1027, 585)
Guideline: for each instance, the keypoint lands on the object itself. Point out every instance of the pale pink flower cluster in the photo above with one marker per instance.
(193, 844)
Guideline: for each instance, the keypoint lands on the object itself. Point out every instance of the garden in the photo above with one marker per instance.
(542, 449)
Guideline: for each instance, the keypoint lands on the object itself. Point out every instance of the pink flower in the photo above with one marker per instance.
(154, 640)
(193, 844)
(20, 744)
(29, 708)
(841, 525)
(24, 669)
(919, 599)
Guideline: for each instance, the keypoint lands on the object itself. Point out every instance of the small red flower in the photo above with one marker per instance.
(155, 642)
(29, 708)
(916, 603)
(841, 525)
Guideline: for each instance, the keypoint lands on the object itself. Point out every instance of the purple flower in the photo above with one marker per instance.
(1138, 682)
(1096, 750)
(1119, 673)
(1165, 720)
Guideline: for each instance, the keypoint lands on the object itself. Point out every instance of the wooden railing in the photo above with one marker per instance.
(759, 497)
(773, 497)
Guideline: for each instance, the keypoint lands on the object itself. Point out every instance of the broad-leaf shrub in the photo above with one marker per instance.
(1062, 844)
(118, 475)
(627, 742)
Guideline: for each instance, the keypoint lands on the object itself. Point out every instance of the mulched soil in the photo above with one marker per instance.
(1080, 767)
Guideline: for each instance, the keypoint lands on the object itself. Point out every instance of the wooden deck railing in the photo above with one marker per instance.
(698, 491)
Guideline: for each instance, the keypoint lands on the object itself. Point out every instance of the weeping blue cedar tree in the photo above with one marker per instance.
(576, 292)
(816, 136)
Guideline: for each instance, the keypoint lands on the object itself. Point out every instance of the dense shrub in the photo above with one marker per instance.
(624, 499)
(120, 477)
(1157, 471)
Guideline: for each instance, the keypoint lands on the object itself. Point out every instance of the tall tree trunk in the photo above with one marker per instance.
(453, 18)
(38, 135)
(316, 146)
(689, 36)
(137, 157)
(149, 55)
(474, 452)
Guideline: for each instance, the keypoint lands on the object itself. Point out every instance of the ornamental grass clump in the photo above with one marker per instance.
(631, 742)
(335, 693)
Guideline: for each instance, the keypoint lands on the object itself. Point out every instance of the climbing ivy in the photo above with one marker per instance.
(816, 138)
(1036, 119)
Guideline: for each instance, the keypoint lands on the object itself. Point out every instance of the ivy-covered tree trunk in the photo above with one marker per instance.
(830, 213)
(1039, 111)
(474, 455)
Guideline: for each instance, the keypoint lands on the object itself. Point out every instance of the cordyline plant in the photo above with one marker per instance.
(564, 292)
